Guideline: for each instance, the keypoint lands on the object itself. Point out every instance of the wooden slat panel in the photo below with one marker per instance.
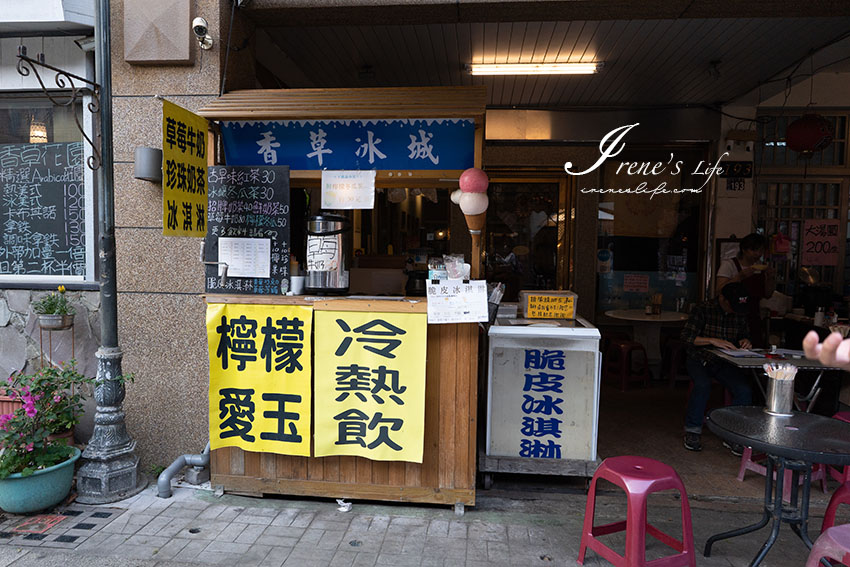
(472, 415)
(396, 474)
(347, 469)
(308, 104)
(283, 466)
(252, 464)
(268, 465)
(466, 356)
(381, 472)
(237, 461)
(331, 472)
(316, 469)
(364, 471)
(448, 338)
(299, 467)
(447, 473)
(339, 490)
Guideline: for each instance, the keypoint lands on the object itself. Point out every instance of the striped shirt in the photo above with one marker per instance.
(709, 320)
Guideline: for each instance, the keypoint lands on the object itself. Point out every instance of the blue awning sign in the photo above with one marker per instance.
(398, 144)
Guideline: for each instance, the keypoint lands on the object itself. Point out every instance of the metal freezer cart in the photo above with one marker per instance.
(542, 398)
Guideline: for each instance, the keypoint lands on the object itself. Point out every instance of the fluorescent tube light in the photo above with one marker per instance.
(534, 68)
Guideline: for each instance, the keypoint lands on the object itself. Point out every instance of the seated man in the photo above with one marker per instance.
(720, 322)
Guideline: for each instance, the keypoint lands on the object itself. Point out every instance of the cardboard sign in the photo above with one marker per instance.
(348, 189)
(259, 397)
(549, 307)
(184, 172)
(820, 242)
(457, 301)
(370, 385)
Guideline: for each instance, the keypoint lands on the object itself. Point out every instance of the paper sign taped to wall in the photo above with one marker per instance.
(348, 189)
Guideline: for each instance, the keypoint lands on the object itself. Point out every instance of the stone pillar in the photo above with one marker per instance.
(110, 469)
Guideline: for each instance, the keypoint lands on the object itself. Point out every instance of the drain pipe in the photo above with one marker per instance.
(163, 484)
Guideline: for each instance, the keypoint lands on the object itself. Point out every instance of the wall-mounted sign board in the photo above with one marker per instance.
(399, 144)
(43, 210)
(248, 229)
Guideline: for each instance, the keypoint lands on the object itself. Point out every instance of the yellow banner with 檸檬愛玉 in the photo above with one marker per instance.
(370, 385)
(260, 377)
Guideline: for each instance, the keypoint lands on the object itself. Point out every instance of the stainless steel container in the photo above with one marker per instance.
(328, 249)
(780, 394)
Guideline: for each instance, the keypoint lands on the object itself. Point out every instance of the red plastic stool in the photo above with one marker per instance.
(840, 496)
(842, 475)
(638, 477)
(834, 543)
(750, 462)
(620, 363)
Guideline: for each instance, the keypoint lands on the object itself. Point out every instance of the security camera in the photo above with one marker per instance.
(200, 29)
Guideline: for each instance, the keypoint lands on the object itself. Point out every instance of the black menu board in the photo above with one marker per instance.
(42, 209)
(247, 229)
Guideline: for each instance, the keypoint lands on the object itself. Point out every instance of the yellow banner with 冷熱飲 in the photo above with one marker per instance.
(370, 385)
(260, 372)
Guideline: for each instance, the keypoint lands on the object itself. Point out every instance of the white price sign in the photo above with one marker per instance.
(457, 301)
(348, 189)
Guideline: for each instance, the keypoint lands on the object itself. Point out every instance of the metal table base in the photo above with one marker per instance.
(797, 515)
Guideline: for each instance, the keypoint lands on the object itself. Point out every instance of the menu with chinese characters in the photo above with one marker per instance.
(348, 189)
(43, 210)
(369, 385)
(405, 144)
(248, 229)
(541, 402)
(259, 397)
(184, 168)
(457, 301)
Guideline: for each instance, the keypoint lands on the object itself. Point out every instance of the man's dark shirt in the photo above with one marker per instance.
(708, 319)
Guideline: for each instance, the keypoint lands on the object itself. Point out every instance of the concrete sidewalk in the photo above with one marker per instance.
(505, 528)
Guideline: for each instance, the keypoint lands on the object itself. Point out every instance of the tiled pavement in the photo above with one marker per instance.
(504, 529)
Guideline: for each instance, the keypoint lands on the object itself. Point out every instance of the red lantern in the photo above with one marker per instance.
(809, 134)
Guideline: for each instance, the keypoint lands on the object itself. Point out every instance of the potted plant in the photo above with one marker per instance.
(54, 310)
(36, 469)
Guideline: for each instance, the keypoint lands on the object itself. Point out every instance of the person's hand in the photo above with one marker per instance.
(832, 352)
(720, 343)
(745, 343)
(745, 273)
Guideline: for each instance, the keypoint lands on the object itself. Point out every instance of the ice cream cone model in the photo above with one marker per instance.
(476, 223)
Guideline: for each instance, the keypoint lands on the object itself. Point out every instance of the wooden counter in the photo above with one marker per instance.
(447, 472)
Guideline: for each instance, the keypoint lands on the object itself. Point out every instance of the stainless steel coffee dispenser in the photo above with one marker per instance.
(328, 249)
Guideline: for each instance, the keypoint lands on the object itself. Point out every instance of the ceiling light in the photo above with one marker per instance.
(534, 68)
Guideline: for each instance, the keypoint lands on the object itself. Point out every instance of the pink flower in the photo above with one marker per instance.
(30, 410)
(28, 448)
(57, 398)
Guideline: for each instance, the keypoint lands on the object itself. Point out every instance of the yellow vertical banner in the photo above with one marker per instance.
(260, 377)
(184, 172)
(370, 385)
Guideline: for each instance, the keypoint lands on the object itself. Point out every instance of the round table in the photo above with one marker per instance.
(794, 442)
(647, 328)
